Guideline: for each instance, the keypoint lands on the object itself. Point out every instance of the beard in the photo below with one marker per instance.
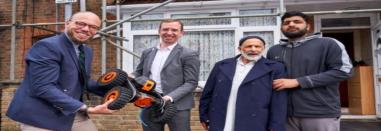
(250, 57)
(75, 40)
(294, 35)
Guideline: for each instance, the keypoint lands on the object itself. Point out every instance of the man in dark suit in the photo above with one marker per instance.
(56, 76)
(175, 70)
(238, 94)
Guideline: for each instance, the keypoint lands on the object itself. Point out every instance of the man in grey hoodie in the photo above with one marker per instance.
(315, 66)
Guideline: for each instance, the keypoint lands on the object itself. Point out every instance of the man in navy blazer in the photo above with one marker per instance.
(50, 96)
(238, 94)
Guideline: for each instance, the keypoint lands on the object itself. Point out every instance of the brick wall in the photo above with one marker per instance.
(8, 89)
(125, 119)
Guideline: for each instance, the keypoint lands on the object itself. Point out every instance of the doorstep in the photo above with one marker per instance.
(346, 116)
(358, 117)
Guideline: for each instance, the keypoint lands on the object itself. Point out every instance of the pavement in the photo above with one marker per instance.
(360, 125)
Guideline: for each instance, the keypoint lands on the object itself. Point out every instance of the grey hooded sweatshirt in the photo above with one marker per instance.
(319, 64)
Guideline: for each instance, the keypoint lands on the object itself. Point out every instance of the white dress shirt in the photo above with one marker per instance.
(241, 72)
(158, 63)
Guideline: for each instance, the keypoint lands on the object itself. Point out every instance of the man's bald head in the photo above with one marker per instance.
(82, 26)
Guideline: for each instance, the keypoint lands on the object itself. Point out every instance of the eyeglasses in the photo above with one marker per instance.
(92, 28)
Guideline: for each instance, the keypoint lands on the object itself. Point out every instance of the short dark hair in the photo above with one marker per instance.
(251, 37)
(294, 13)
(170, 21)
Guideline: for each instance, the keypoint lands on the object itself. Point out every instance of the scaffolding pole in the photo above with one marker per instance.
(112, 36)
(136, 15)
(118, 62)
(82, 5)
(125, 49)
(13, 42)
(103, 39)
(282, 8)
(68, 11)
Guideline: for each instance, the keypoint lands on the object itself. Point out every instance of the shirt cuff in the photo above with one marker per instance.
(83, 108)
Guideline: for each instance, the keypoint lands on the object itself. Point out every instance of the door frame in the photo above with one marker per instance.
(375, 24)
(376, 51)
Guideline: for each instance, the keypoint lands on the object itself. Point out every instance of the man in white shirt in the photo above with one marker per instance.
(238, 94)
(175, 69)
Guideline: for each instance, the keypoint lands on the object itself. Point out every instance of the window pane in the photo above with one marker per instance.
(345, 22)
(142, 42)
(147, 25)
(195, 22)
(212, 45)
(268, 36)
(257, 21)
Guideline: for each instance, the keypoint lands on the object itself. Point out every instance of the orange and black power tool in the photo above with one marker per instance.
(140, 91)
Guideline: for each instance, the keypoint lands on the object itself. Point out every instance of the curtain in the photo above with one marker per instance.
(213, 46)
(257, 21)
(142, 42)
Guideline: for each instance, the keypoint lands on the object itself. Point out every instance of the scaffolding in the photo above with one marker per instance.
(105, 29)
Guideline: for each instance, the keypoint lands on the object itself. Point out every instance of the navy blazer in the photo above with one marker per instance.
(258, 106)
(49, 95)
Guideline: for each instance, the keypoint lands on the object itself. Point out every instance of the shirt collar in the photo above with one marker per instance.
(170, 48)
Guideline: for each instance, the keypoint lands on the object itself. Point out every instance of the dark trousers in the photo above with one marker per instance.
(180, 122)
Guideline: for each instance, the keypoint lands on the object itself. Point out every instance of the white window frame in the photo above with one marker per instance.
(318, 18)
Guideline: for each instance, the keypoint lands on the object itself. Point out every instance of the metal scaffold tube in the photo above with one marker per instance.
(125, 49)
(68, 11)
(136, 15)
(13, 42)
(118, 62)
(113, 36)
(82, 5)
(103, 39)
(282, 8)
